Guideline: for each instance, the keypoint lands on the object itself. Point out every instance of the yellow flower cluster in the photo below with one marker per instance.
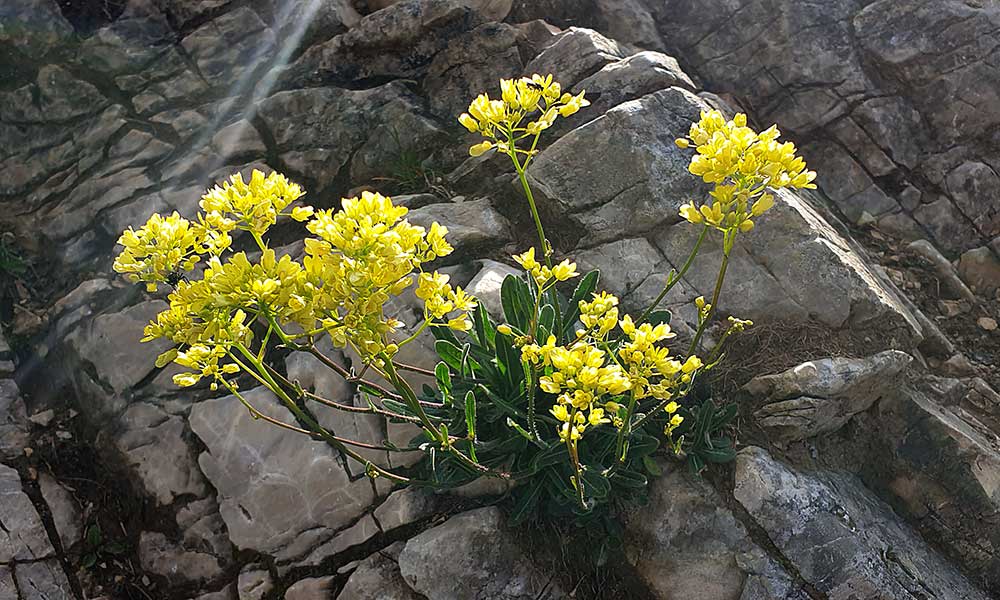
(742, 164)
(650, 367)
(255, 205)
(167, 247)
(440, 300)
(361, 256)
(581, 375)
(543, 275)
(600, 315)
(502, 122)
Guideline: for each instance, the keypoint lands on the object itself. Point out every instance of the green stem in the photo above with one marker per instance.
(529, 371)
(626, 429)
(663, 404)
(575, 456)
(675, 278)
(258, 239)
(311, 423)
(415, 333)
(410, 398)
(543, 243)
(715, 299)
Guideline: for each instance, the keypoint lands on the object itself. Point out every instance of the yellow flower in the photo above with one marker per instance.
(690, 213)
(302, 213)
(527, 107)
(572, 104)
(480, 148)
(468, 122)
(564, 270)
(742, 164)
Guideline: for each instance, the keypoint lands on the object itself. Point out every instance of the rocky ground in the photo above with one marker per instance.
(869, 431)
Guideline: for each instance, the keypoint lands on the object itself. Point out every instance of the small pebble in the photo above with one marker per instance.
(64, 435)
(987, 323)
(43, 418)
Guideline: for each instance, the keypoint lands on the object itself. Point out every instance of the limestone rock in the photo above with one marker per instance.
(685, 543)
(471, 224)
(57, 95)
(110, 344)
(624, 264)
(365, 529)
(397, 42)
(42, 580)
(470, 556)
(280, 493)
(254, 584)
(64, 509)
(166, 558)
(575, 55)
(33, 26)
(13, 421)
(229, 48)
(377, 578)
(980, 269)
(840, 538)
(154, 446)
(7, 583)
(312, 588)
(975, 188)
(23, 536)
(472, 63)
(319, 131)
(403, 507)
(485, 286)
(631, 78)
(938, 464)
(918, 58)
(820, 396)
(629, 22)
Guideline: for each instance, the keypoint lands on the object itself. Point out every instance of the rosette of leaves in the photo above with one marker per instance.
(484, 394)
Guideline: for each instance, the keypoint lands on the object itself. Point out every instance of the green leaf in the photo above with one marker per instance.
(721, 451)
(546, 322)
(630, 479)
(88, 561)
(468, 365)
(443, 376)
(583, 291)
(659, 316)
(450, 353)
(651, 466)
(509, 360)
(115, 548)
(400, 408)
(595, 484)
(94, 535)
(508, 298)
(517, 427)
(643, 445)
(724, 416)
(526, 502)
(695, 463)
(550, 456)
(485, 330)
(470, 414)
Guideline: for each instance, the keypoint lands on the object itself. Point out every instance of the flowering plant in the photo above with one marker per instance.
(566, 397)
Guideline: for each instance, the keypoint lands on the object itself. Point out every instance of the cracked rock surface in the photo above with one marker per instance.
(873, 475)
